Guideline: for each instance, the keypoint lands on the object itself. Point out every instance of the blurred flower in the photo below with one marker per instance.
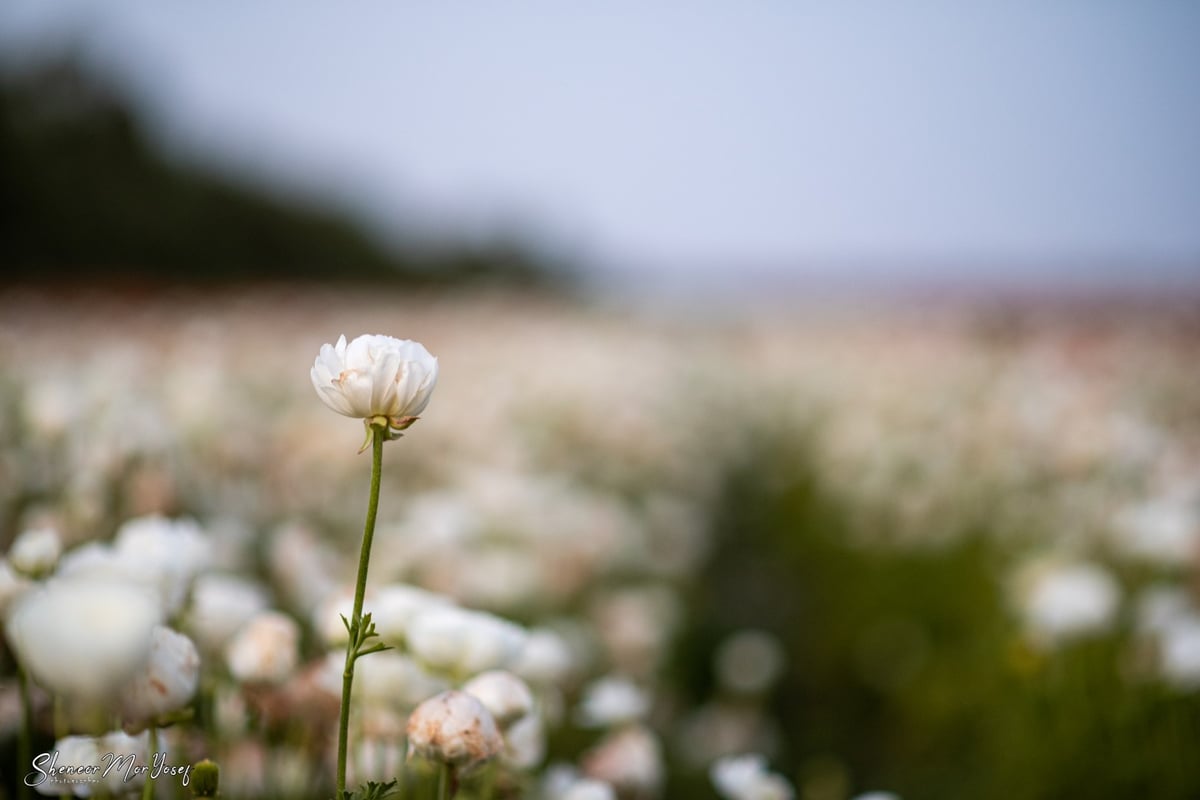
(546, 659)
(1179, 652)
(587, 789)
(525, 742)
(35, 551)
(375, 376)
(464, 642)
(1069, 600)
(220, 605)
(265, 650)
(454, 728)
(168, 680)
(83, 637)
(503, 694)
(629, 759)
(612, 701)
(746, 777)
(161, 554)
(749, 661)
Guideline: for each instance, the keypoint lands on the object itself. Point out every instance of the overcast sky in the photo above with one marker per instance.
(699, 134)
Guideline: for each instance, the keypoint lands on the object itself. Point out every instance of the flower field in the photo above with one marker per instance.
(923, 554)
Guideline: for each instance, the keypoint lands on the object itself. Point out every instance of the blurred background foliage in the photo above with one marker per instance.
(87, 195)
(907, 667)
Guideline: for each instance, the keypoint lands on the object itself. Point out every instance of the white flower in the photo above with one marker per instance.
(388, 678)
(503, 694)
(168, 680)
(525, 742)
(588, 789)
(1071, 600)
(121, 778)
(454, 728)
(612, 701)
(160, 554)
(265, 650)
(464, 642)
(746, 778)
(220, 605)
(393, 606)
(83, 637)
(630, 760)
(1180, 652)
(35, 551)
(546, 658)
(375, 376)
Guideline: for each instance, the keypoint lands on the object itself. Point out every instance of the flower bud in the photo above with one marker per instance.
(454, 728)
(35, 551)
(206, 779)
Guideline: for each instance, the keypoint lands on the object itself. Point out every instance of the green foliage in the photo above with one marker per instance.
(373, 791)
(907, 670)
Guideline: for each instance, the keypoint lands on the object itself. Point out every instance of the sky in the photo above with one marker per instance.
(697, 138)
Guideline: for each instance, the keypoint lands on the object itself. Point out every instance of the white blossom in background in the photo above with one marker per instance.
(746, 777)
(392, 607)
(35, 551)
(876, 796)
(454, 728)
(1163, 531)
(220, 605)
(375, 376)
(1070, 600)
(265, 650)
(503, 694)
(524, 742)
(83, 637)
(612, 701)
(749, 661)
(629, 759)
(167, 681)
(546, 659)
(388, 679)
(464, 642)
(160, 554)
(1179, 652)
(587, 789)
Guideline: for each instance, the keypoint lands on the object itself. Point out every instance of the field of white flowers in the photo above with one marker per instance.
(826, 555)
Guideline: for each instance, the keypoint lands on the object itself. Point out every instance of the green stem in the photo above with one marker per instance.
(25, 744)
(360, 590)
(148, 789)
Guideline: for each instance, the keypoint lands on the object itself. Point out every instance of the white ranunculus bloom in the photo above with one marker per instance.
(265, 650)
(168, 680)
(588, 789)
(375, 376)
(746, 777)
(221, 604)
(612, 701)
(505, 695)
(630, 760)
(83, 637)
(35, 551)
(464, 642)
(454, 728)
(1071, 600)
